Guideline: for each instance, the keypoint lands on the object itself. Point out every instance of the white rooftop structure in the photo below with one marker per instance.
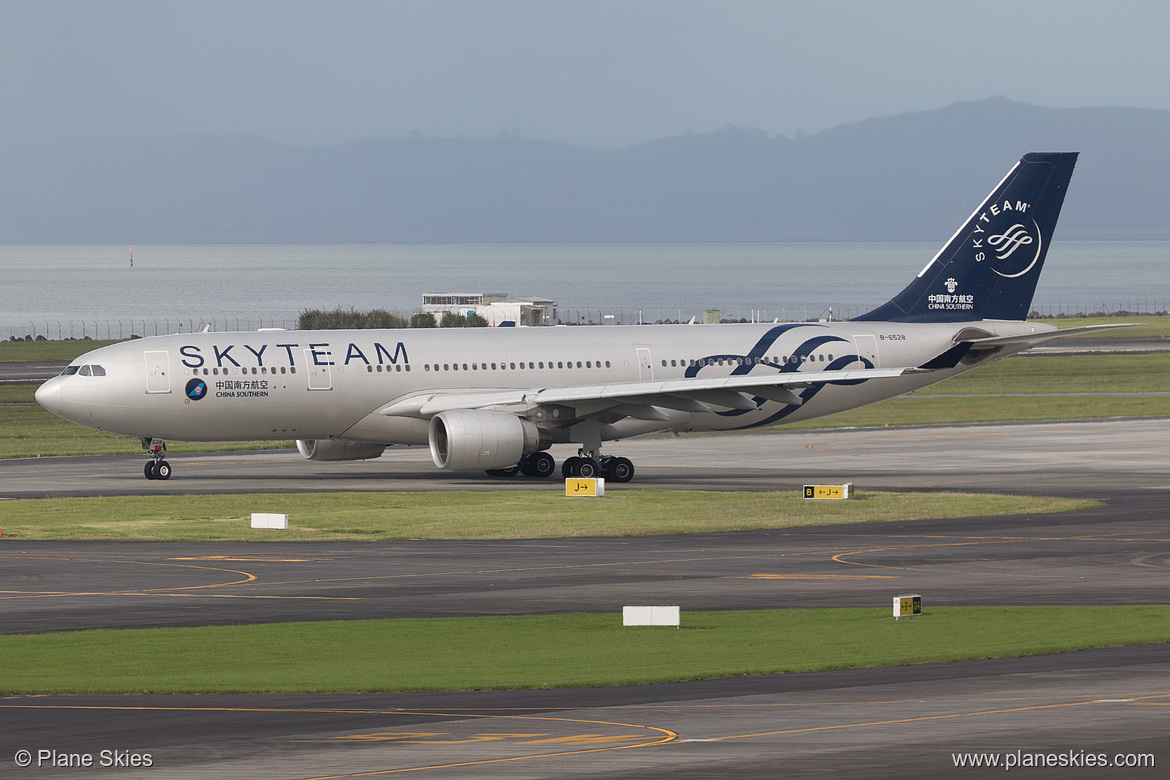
(496, 308)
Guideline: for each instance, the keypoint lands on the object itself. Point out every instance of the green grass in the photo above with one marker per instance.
(1147, 326)
(1146, 372)
(32, 432)
(18, 394)
(47, 351)
(547, 651)
(950, 411)
(1041, 379)
(498, 515)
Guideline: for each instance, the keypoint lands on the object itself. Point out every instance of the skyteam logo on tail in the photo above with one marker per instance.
(1012, 248)
(1016, 248)
(1006, 244)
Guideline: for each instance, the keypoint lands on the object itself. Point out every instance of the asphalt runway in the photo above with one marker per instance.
(896, 722)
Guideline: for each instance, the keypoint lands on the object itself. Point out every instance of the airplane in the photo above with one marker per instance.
(496, 399)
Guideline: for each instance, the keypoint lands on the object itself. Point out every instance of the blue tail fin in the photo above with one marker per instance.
(989, 268)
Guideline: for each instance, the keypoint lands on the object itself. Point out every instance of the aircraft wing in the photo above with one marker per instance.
(636, 399)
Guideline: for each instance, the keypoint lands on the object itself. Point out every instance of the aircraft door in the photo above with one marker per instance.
(867, 348)
(645, 364)
(320, 377)
(158, 371)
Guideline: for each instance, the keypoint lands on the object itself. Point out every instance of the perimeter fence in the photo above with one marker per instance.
(109, 329)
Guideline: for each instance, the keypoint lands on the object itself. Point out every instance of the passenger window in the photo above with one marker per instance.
(607, 364)
(588, 364)
(578, 364)
(465, 366)
(542, 364)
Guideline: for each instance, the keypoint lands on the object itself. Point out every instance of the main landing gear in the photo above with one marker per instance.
(585, 465)
(542, 465)
(156, 467)
(538, 464)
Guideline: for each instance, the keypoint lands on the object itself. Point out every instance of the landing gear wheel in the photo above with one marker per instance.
(619, 470)
(149, 471)
(511, 471)
(162, 470)
(586, 468)
(539, 464)
(569, 466)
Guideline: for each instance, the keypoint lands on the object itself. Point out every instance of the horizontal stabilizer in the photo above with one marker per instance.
(1036, 339)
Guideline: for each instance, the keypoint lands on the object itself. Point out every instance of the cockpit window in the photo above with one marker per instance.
(90, 370)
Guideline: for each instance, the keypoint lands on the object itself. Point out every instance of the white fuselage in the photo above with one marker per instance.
(334, 384)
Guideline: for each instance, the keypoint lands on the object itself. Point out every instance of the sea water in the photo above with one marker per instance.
(52, 290)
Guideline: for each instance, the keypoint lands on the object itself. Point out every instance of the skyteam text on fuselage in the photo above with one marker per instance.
(496, 399)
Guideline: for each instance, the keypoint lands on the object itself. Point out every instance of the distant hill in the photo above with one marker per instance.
(908, 177)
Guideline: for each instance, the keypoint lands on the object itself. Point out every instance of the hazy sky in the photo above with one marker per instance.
(598, 73)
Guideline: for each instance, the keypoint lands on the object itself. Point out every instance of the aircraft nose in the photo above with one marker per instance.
(48, 395)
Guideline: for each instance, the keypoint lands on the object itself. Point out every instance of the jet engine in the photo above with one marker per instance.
(466, 440)
(332, 449)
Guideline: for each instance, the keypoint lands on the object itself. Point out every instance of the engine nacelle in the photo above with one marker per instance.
(332, 449)
(467, 440)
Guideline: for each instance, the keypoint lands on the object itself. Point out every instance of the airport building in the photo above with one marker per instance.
(496, 308)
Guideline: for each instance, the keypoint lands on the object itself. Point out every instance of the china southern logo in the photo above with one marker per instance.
(196, 389)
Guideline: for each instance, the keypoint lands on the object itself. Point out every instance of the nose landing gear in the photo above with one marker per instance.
(156, 467)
